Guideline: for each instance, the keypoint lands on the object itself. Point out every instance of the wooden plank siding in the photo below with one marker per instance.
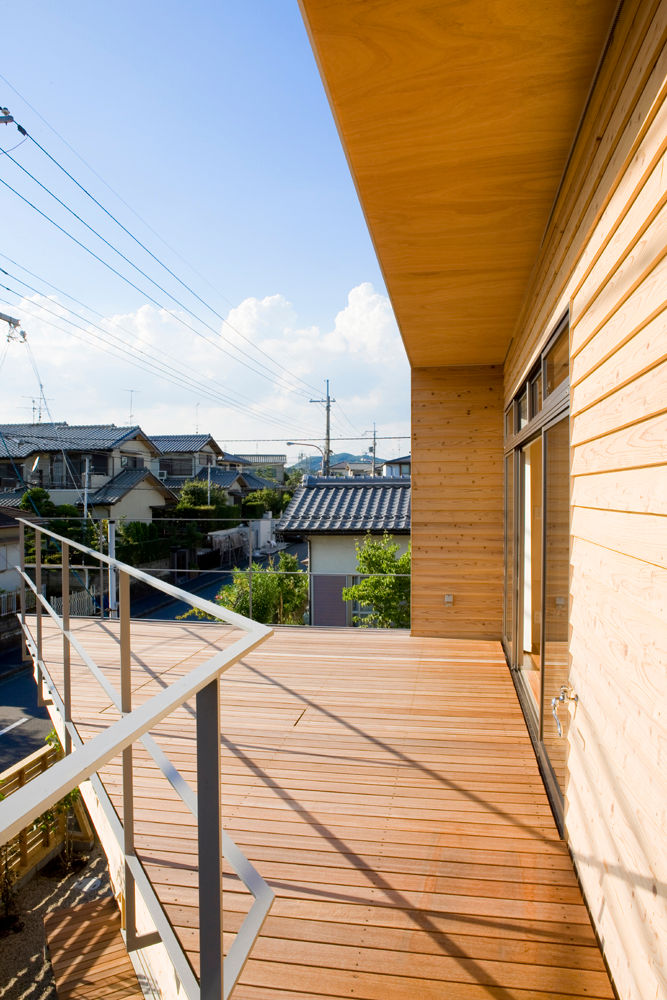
(603, 257)
(386, 788)
(457, 501)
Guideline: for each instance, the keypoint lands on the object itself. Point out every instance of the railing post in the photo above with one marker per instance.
(209, 831)
(101, 545)
(25, 655)
(67, 677)
(38, 613)
(128, 795)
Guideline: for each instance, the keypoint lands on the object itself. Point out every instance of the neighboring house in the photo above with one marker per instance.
(56, 457)
(510, 162)
(236, 484)
(132, 494)
(231, 462)
(354, 469)
(333, 515)
(266, 466)
(9, 547)
(184, 455)
(397, 467)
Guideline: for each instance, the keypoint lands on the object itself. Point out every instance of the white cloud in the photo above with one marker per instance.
(361, 354)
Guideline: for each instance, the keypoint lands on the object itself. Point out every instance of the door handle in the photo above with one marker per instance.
(566, 694)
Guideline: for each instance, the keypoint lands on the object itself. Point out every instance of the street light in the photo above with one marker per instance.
(308, 444)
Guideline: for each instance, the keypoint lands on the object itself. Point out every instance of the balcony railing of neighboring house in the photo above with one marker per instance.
(217, 977)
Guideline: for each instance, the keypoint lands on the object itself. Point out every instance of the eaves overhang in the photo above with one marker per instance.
(457, 119)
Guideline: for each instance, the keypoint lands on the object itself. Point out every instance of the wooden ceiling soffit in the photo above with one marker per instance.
(457, 118)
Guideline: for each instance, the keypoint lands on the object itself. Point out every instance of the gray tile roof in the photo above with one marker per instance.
(120, 486)
(12, 498)
(25, 439)
(263, 459)
(259, 483)
(220, 477)
(404, 460)
(180, 444)
(348, 506)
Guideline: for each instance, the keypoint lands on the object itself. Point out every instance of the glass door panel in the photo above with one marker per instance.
(510, 558)
(556, 591)
(529, 623)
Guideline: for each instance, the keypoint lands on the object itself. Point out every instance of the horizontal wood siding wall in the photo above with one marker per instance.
(457, 501)
(604, 257)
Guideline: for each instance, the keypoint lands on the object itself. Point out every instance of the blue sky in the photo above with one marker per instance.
(210, 120)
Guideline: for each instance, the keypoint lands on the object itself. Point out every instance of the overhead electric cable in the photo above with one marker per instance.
(130, 209)
(148, 366)
(157, 260)
(233, 399)
(270, 376)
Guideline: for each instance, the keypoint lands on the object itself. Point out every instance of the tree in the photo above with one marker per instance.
(38, 501)
(273, 500)
(195, 494)
(279, 593)
(385, 588)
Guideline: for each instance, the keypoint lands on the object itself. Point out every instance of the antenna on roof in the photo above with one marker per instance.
(131, 392)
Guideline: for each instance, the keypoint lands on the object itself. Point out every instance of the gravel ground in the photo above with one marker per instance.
(25, 972)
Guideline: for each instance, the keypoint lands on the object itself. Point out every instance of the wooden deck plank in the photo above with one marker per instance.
(386, 788)
(88, 954)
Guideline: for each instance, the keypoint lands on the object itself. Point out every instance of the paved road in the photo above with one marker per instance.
(23, 725)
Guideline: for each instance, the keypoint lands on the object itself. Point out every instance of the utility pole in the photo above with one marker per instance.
(327, 439)
(86, 484)
(373, 460)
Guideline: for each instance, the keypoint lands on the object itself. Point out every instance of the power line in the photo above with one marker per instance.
(142, 220)
(157, 259)
(149, 366)
(271, 377)
(234, 400)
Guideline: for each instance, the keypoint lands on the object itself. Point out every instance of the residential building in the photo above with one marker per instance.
(509, 159)
(184, 455)
(510, 164)
(336, 515)
(353, 468)
(270, 467)
(133, 495)
(56, 456)
(397, 467)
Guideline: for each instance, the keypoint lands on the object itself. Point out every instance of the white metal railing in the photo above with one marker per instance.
(217, 975)
(9, 603)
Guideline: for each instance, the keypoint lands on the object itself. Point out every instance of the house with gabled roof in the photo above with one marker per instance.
(334, 515)
(56, 456)
(182, 456)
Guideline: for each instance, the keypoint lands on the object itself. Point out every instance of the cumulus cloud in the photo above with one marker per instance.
(87, 374)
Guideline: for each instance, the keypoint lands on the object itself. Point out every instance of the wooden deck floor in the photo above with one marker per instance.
(88, 953)
(386, 788)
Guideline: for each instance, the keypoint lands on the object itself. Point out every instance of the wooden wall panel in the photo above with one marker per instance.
(604, 256)
(457, 501)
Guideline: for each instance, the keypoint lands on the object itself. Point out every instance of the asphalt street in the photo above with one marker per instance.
(23, 725)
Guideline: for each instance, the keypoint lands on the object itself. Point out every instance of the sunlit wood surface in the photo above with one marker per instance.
(386, 788)
(88, 954)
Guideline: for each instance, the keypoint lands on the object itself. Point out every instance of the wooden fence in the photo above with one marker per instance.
(34, 844)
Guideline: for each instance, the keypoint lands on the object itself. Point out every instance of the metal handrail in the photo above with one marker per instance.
(217, 977)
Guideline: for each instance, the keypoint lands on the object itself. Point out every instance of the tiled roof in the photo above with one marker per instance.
(228, 457)
(348, 506)
(183, 443)
(12, 498)
(120, 485)
(258, 483)
(396, 461)
(264, 459)
(219, 477)
(26, 439)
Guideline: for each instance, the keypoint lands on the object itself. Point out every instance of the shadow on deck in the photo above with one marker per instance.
(386, 789)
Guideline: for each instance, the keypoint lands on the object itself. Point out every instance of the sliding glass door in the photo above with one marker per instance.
(535, 631)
